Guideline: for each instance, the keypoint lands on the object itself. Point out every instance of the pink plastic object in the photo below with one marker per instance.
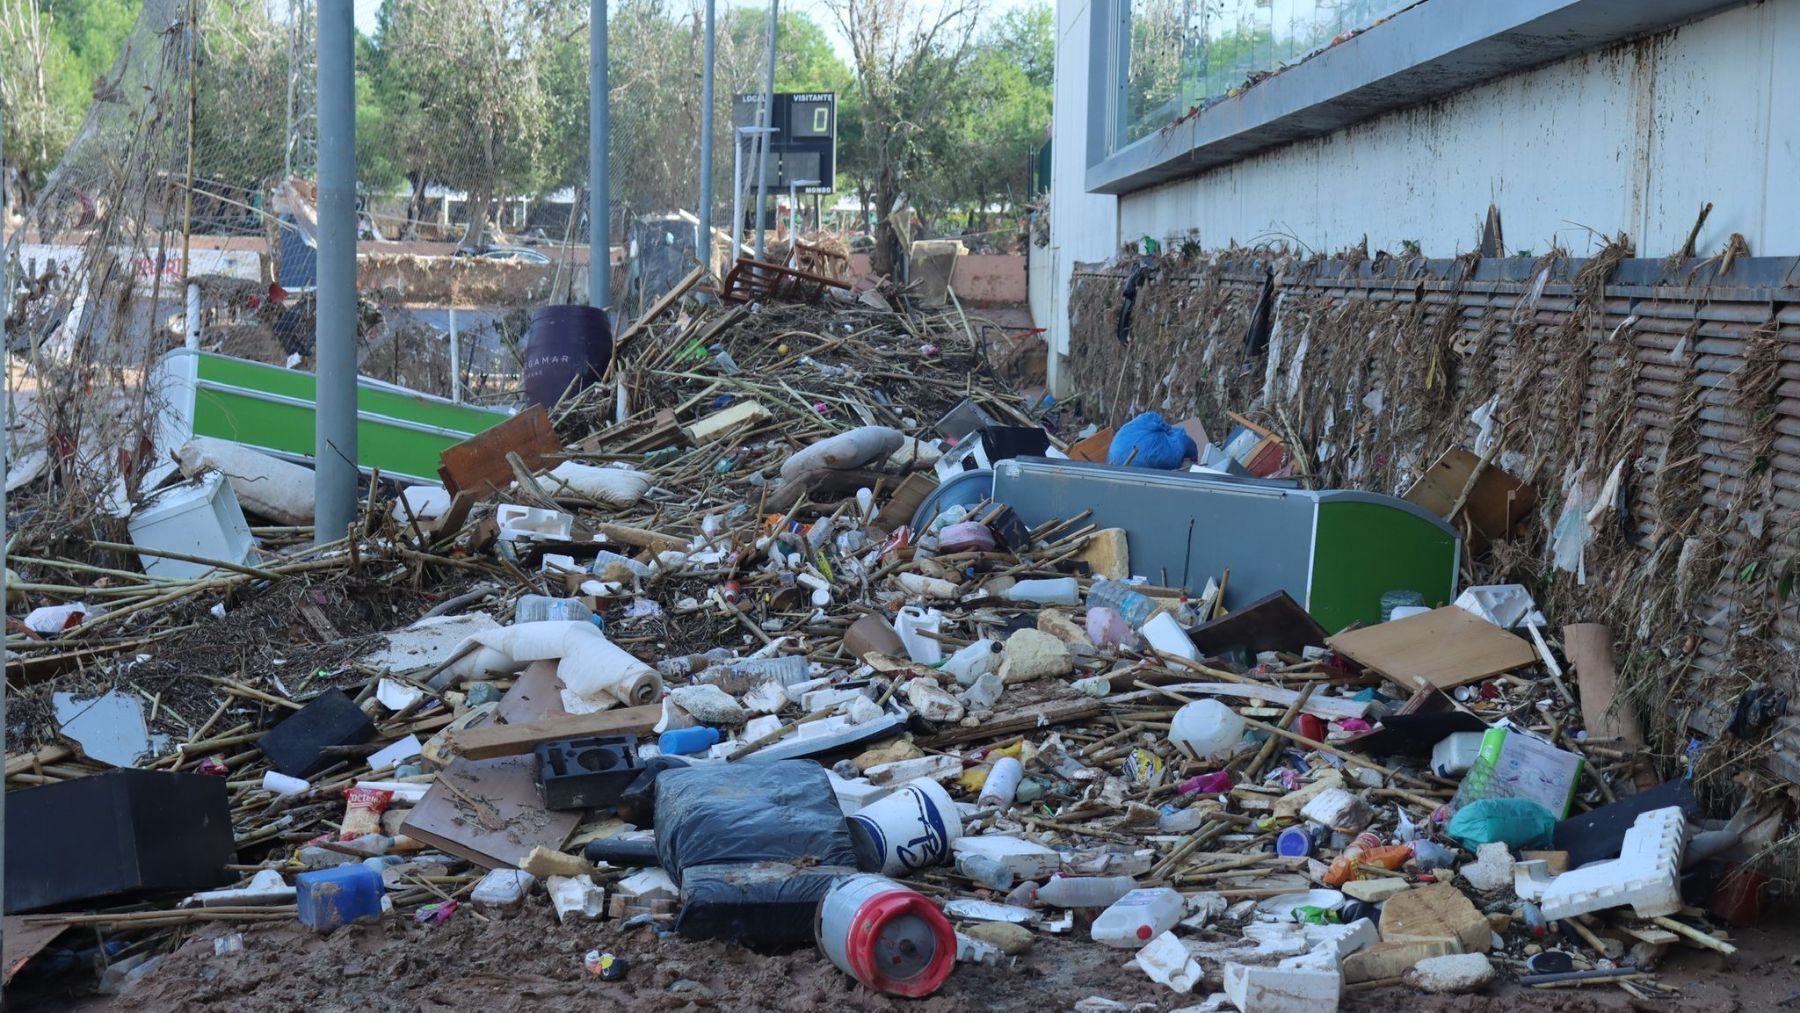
(966, 536)
(1106, 628)
(1215, 783)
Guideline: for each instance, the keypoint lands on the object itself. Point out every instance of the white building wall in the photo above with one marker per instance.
(1084, 227)
(1634, 139)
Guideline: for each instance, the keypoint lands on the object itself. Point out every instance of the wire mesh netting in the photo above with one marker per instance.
(194, 164)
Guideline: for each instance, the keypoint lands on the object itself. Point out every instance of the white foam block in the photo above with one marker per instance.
(1646, 875)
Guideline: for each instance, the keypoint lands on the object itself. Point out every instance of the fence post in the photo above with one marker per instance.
(334, 434)
(599, 175)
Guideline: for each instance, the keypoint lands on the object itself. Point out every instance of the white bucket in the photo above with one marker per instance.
(910, 829)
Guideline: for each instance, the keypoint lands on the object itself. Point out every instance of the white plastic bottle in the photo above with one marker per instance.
(976, 660)
(1139, 917)
(1001, 784)
(1084, 891)
(1055, 591)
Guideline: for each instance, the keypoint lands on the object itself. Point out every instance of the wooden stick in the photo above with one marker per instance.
(1695, 934)
(184, 557)
(1268, 747)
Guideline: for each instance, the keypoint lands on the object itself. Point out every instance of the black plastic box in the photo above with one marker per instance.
(586, 773)
(121, 832)
(331, 719)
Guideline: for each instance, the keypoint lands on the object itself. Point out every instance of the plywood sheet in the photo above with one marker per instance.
(1497, 502)
(1445, 647)
(478, 464)
(1275, 622)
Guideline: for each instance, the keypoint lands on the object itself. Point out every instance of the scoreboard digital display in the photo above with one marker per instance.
(804, 145)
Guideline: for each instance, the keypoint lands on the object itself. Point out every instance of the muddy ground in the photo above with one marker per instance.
(528, 961)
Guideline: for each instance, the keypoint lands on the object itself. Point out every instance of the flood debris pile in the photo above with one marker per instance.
(797, 631)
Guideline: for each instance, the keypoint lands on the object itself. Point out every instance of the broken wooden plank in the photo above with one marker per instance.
(511, 740)
(658, 308)
(1445, 647)
(478, 464)
(1589, 647)
(719, 423)
(1496, 502)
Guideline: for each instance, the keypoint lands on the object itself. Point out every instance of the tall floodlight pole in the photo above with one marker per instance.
(768, 120)
(703, 241)
(334, 433)
(599, 174)
(5, 466)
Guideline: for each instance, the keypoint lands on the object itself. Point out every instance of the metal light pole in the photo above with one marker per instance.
(703, 242)
(767, 120)
(334, 433)
(737, 183)
(6, 467)
(599, 174)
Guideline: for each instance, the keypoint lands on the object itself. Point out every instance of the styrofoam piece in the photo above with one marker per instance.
(1164, 633)
(970, 950)
(595, 672)
(198, 519)
(1504, 605)
(1024, 859)
(1339, 941)
(1299, 989)
(854, 793)
(1646, 875)
(518, 521)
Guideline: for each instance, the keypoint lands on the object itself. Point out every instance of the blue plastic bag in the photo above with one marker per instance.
(1157, 444)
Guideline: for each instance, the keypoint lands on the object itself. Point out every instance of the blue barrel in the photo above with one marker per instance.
(569, 348)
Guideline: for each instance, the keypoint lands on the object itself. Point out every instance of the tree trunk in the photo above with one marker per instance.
(885, 258)
(415, 206)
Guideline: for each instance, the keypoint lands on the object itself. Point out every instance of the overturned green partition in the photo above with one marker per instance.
(399, 431)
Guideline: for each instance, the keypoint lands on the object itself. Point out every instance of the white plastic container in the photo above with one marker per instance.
(541, 608)
(976, 660)
(1085, 891)
(1456, 753)
(1164, 633)
(1002, 782)
(1206, 730)
(1055, 591)
(1139, 917)
(201, 519)
(911, 624)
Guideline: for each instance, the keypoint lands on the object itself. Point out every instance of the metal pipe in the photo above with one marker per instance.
(193, 316)
(599, 172)
(6, 297)
(455, 360)
(767, 120)
(737, 194)
(703, 240)
(334, 433)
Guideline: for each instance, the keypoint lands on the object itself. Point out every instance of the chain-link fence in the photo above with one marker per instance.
(194, 163)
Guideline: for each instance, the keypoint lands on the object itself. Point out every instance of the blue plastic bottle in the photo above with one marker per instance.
(331, 898)
(687, 741)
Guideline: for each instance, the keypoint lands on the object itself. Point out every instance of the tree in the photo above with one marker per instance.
(41, 87)
(909, 56)
(460, 79)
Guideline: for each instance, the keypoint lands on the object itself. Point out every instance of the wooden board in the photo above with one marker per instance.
(478, 464)
(511, 740)
(1445, 647)
(490, 811)
(1272, 623)
(26, 938)
(719, 423)
(904, 502)
(1589, 648)
(1497, 503)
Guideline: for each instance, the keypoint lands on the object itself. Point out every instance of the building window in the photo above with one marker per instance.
(1186, 54)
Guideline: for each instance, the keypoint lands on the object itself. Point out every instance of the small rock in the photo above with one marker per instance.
(1492, 870)
(688, 986)
(1032, 654)
(932, 702)
(1012, 939)
(1375, 890)
(1458, 972)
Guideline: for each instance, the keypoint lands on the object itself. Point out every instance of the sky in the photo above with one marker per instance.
(815, 9)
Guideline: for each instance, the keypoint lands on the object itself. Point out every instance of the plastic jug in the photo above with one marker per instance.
(1139, 917)
(912, 624)
(976, 660)
(1085, 891)
(1206, 729)
(1166, 635)
(331, 898)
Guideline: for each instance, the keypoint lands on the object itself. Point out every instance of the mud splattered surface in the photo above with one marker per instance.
(528, 961)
